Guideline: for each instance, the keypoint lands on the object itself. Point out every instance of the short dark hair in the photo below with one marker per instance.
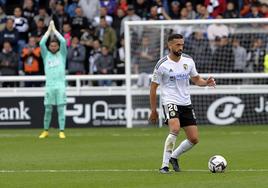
(54, 40)
(174, 36)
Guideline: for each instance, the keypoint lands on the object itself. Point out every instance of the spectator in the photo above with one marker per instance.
(21, 24)
(103, 13)
(215, 7)
(120, 60)
(70, 8)
(10, 34)
(162, 7)
(29, 12)
(87, 38)
(144, 61)
(122, 4)
(219, 30)
(30, 56)
(256, 56)
(191, 12)
(60, 17)
(198, 10)
(8, 63)
(183, 14)
(131, 16)
(200, 55)
(174, 12)
(39, 30)
(240, 56)
(42, 14)
(3, 19)
(240, 60)
(79, 23)
(223, 58)
(141, 8)
(117, 21)
(202, 12)
(67, 33)
(110, 6)
(254, 12)
(95, 53)
(145, 57)
(264, 10)
(76, 57)
(105, 65)
(185, 30)
(107, 35)
(93, 6)
(231, 12)
(247, 6)
(155, 14)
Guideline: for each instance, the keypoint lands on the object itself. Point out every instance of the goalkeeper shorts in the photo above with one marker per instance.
(55, 96)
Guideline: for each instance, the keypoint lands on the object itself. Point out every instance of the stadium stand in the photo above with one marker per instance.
(74, 20)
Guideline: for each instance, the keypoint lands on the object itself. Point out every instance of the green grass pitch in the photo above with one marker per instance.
(130, 158)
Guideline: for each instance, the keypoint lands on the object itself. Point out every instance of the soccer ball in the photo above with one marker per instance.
(217, 163)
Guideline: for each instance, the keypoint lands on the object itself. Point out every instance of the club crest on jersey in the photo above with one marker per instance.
(172, 113)
(185, 66)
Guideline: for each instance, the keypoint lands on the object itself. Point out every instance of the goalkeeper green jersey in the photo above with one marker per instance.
(54, 64)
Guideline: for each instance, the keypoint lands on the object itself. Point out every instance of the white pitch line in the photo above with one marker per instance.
(77, 170)
(120, 170)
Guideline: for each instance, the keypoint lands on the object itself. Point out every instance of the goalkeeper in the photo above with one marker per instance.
(54, 58)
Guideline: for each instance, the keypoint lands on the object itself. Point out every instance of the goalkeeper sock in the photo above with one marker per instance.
(183, 147)
(169, 145)
(47, 116)
(61, 116)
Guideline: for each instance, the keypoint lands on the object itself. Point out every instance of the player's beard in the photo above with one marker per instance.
(54, 52)
(178, 53)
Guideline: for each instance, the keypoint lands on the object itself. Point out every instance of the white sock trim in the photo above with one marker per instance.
(184, 146)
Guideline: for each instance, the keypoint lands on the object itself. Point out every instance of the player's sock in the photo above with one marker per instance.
(61, 116)
(169, 145)
(183, 147)
(47, 116)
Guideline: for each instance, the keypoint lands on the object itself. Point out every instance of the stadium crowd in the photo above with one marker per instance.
(94, 32)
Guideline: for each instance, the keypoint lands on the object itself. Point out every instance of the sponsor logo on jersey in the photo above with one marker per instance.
(182, 76)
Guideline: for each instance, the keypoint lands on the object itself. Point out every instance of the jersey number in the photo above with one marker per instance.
(172, 107)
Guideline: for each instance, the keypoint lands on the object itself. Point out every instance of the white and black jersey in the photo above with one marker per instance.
(173, 78)
(21, 24)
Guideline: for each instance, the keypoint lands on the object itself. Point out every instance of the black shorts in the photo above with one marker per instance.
(185, 114)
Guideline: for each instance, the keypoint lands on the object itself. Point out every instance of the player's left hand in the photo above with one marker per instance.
(52, 25)
(211, 82)
(153, 117)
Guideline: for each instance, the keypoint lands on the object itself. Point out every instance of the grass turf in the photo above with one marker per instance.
(119, 157)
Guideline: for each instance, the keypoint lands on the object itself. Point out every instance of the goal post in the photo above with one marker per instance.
(214, 54)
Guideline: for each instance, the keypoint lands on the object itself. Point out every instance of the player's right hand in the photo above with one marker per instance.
(153, 117)
(51, 22)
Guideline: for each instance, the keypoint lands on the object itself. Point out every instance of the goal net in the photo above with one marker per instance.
(234, 51)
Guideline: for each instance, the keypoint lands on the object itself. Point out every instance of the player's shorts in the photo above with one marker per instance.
(55, 96)
(185, 114)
